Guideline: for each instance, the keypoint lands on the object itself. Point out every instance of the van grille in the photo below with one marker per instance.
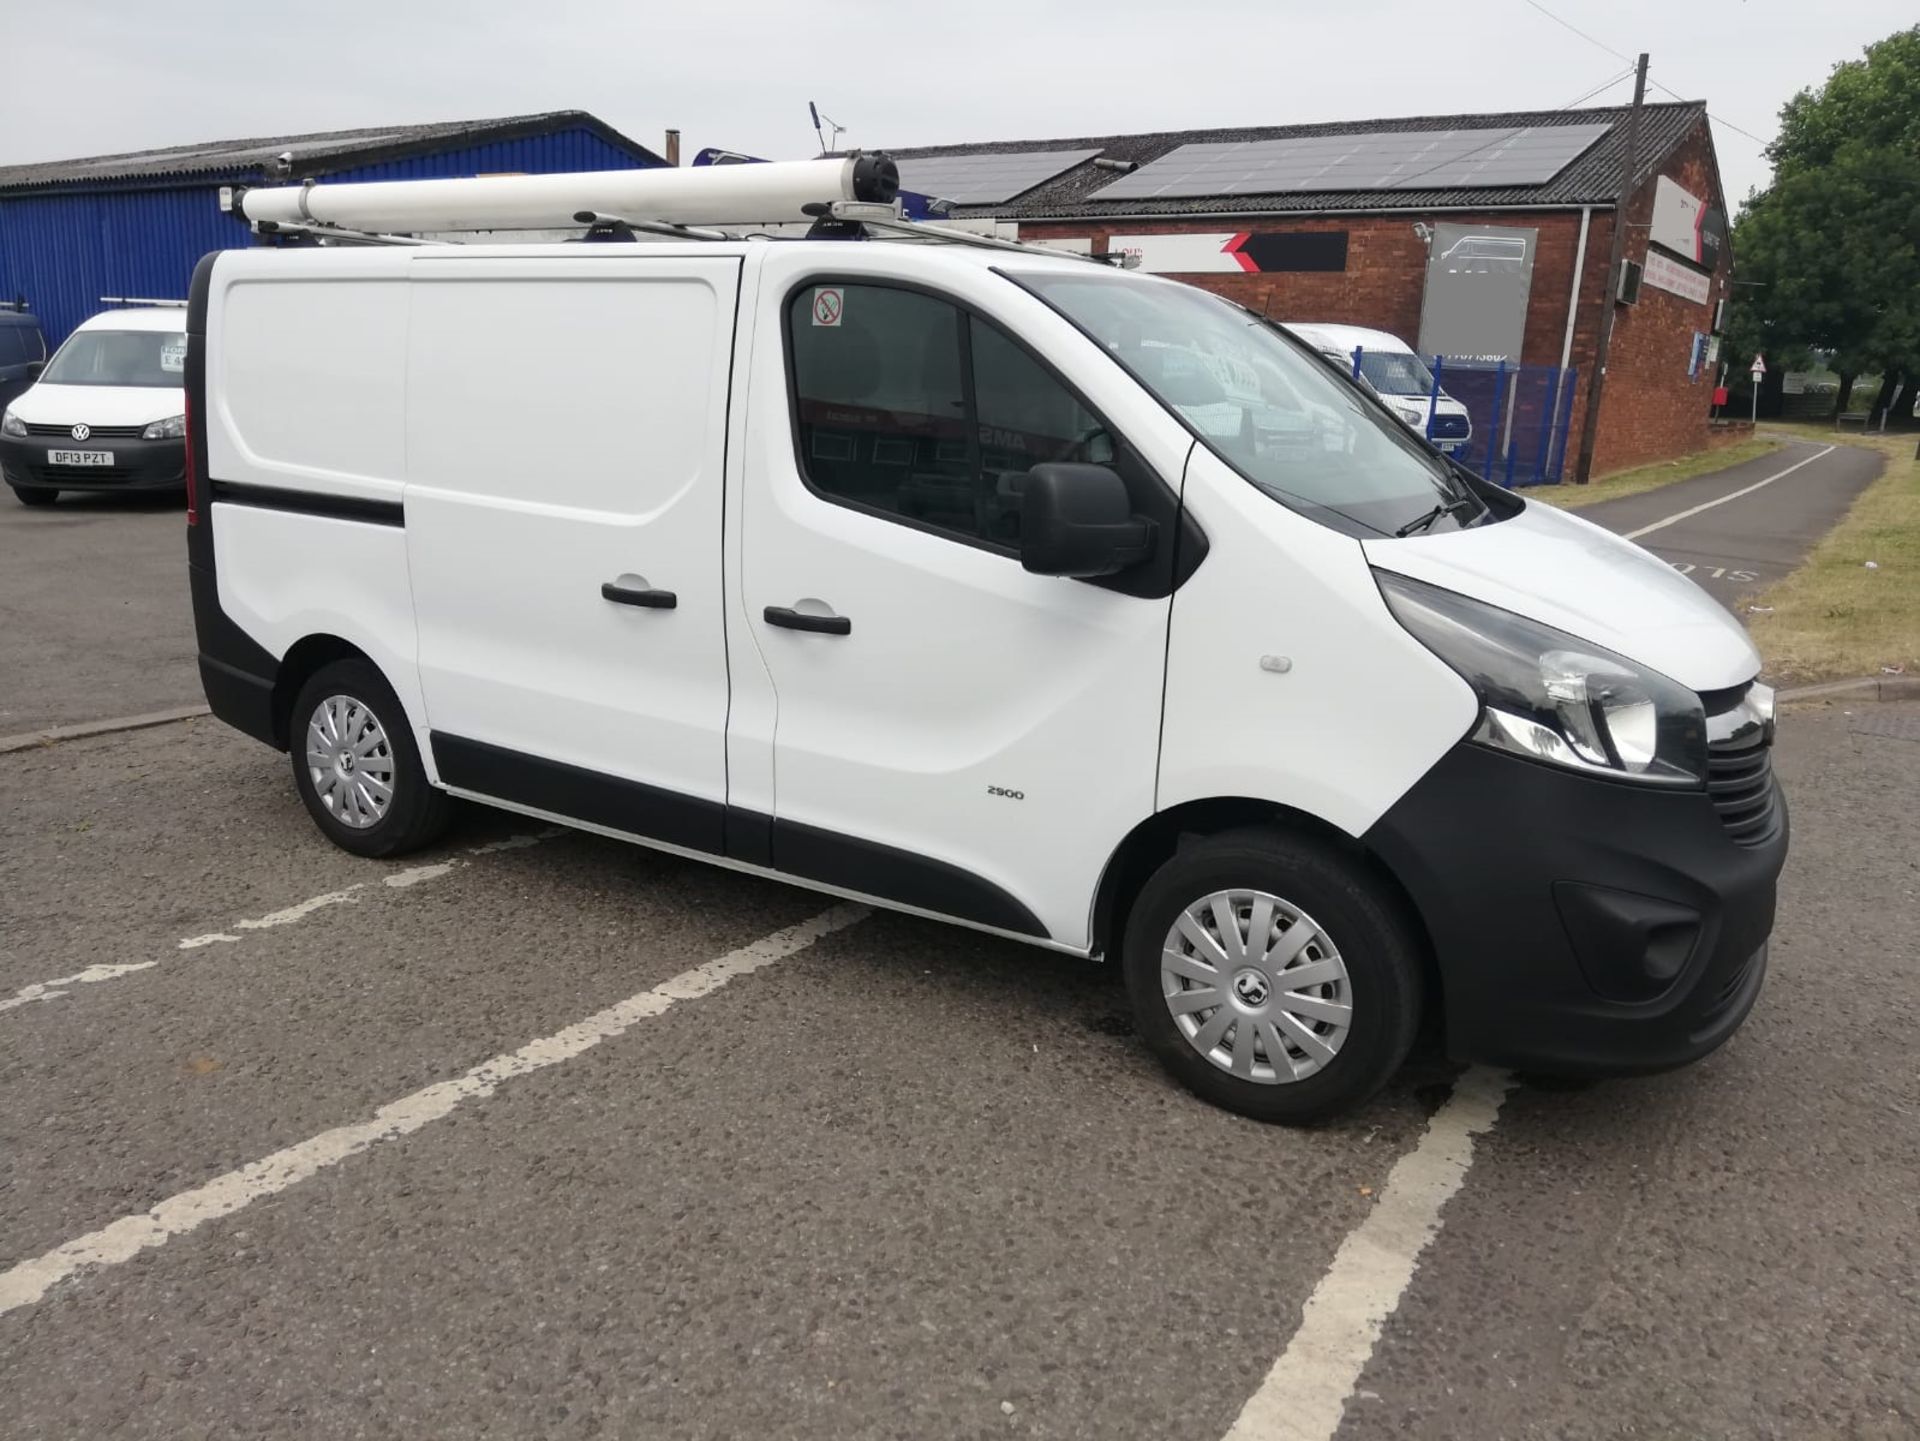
(1449, 427)
(1740, 783)
(100, 432)
(73, 475)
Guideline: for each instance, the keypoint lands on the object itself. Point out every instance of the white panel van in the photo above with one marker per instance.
(941, 576)
(105, 413)
(1399, 376)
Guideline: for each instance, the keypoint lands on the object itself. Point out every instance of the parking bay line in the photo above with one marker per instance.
(1306, 1392)
(58, 987)
(122, 1240)
(1734, 495)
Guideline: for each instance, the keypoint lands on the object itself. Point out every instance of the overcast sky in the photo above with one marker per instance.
(91, 76)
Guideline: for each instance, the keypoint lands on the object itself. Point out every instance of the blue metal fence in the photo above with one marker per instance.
(1518, 414)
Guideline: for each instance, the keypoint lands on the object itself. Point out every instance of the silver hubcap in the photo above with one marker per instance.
(1256, 986)
(349, 761)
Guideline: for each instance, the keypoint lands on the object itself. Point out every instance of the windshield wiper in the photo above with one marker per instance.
(1421, 522)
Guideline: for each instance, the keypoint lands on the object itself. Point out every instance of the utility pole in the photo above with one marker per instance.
(1583, 471)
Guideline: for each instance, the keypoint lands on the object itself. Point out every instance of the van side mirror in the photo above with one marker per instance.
(1077, 520)
(34, 367)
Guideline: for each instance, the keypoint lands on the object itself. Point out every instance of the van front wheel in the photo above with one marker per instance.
(1273, 976)
(356, 766)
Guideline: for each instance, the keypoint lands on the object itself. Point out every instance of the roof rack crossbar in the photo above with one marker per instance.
(594, 220)
(337, 234)
(922, 230)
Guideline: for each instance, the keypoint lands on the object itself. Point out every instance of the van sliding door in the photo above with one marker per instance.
(565, 435)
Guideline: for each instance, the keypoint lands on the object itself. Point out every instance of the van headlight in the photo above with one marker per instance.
(1551, 696)
(1410, 415)
(11, 425)
(172, 428)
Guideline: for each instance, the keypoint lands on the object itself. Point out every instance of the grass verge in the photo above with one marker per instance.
(1651, 477)
(1833, 618)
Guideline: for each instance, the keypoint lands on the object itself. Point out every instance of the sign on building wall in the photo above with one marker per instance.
(1666, 273)
(1686, 225)
(1478, 280)
(1235, 253)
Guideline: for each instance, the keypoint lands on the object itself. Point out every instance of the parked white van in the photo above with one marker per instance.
(107, 412)
(1401, 378)
(905, 571)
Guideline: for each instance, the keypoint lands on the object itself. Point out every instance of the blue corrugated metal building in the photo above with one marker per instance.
(135, 224)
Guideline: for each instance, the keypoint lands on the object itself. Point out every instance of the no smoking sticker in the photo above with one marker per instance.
(828, 305)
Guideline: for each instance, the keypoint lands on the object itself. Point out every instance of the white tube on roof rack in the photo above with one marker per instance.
(710, 195)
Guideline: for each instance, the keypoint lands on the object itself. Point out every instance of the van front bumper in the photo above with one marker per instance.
(1582, 926)
(137, 464)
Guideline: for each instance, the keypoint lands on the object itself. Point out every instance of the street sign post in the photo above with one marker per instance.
(1759, 370)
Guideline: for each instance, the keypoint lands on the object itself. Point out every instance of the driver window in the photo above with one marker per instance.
(1025, 417)
(910, 408)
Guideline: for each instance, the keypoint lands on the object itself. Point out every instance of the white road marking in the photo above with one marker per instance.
(49, 990)
(1306, 1391)
(1709, 505)
(301, 911)
(122, 1240)
(399, 880)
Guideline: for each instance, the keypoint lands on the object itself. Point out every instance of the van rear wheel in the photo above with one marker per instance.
(1273, 976)
(33, 495)
(356, 766)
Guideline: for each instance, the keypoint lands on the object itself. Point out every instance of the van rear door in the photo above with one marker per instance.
(565, 430)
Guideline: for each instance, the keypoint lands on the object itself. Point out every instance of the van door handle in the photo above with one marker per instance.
(629, 595)
(791, 619)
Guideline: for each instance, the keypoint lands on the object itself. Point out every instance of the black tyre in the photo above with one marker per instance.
(356, 766)
(33, 495)
(1273, 975)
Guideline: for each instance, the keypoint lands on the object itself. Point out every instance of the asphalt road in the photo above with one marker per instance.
(94, 615)
(1747, 529)
(876, 1178)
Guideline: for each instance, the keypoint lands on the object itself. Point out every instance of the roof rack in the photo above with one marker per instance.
(142, 300)
(852, 197)
(710, 195)
(317, 234)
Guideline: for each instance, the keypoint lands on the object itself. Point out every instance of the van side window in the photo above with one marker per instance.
(910, 407)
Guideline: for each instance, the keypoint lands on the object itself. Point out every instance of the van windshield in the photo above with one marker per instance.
(1262, 401)
(156, 358)
(1396, 372)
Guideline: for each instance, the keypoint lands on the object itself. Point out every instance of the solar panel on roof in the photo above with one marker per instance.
(985, 179)
(1382, 160)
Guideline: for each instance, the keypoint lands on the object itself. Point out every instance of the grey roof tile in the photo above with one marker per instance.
(1591, 179)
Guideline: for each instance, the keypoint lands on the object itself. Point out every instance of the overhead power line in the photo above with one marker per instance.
(1667, 89)
(1617, 55)
(1606, 84)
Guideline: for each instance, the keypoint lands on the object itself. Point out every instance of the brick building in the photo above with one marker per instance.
(1372, 264)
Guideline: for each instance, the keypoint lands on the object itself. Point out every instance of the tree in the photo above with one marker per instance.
(1829, 253)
